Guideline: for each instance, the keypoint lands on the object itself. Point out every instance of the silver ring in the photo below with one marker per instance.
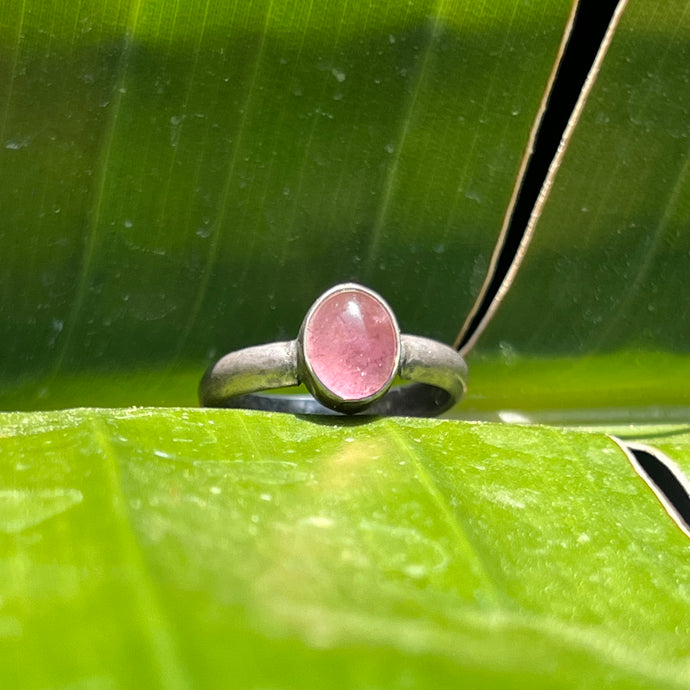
(348, 353)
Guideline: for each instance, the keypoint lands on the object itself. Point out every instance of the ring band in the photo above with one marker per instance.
(348, 353)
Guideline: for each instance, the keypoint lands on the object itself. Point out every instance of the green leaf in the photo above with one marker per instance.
(184, 178)
(602, 292)
(200, 548)
(671, 439)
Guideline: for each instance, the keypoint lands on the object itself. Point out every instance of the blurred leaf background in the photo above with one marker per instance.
(601, 303)
(181, 179)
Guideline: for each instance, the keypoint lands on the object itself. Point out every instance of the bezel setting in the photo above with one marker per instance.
(306, 369)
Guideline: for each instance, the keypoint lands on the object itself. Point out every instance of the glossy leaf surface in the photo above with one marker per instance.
(183, 548)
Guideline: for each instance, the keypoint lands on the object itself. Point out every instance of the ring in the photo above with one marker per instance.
(348, 353)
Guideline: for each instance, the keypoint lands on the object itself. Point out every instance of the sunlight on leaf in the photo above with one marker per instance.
(214, 544)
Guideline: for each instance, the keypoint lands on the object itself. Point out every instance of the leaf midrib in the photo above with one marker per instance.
(157, 629)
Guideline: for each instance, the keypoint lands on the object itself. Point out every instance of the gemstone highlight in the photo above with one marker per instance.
(351, 344)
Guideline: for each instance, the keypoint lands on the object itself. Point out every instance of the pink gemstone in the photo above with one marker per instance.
(351, 343)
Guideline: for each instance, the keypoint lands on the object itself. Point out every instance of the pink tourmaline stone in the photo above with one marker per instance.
(351, 343)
